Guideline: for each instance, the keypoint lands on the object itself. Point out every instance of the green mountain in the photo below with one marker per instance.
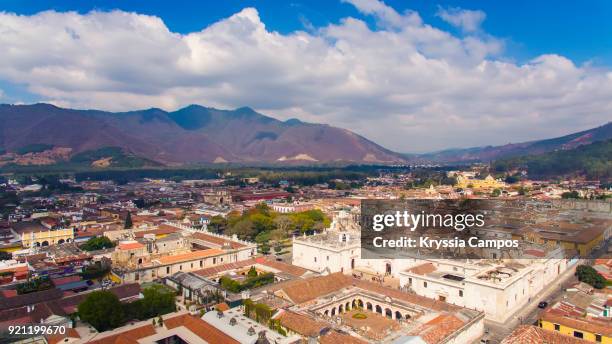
(593, 161)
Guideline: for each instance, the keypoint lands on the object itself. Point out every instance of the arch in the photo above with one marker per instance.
(369, 306)
(398, 315)
(333, 311)
(60, 241)
(139, 261)
(407, 316)
(45, 243)
(37, 244)
(359, 303)
(326, 313)
(340, 309)
(68, 240)
(388, 313)
(347, 307)
(379, 309)
(354, 303)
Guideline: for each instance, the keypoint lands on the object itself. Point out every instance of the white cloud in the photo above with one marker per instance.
(466, 20)
(406, 84)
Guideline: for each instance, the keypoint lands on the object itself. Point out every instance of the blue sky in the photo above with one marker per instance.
(412, 75)
(580, 30)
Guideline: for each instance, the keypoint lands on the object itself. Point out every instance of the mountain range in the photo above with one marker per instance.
(491, 153)
(194, 134)
(43, 134)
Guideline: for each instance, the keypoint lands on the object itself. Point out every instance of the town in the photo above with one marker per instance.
(243, 257)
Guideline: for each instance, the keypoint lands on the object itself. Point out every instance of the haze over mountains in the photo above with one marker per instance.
(194, 134)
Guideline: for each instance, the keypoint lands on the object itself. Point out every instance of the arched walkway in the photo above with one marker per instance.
(369, 306)
(388, 313)
(378, 309)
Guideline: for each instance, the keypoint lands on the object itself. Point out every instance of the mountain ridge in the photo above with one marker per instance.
(193, 134)
(534, 147)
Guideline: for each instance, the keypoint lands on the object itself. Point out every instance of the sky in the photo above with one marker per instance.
(412, 75)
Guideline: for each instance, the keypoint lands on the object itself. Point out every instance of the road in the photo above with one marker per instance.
(530, 313)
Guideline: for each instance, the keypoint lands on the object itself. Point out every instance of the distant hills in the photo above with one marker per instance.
(41, 133)
(593, 161)
(490, 153)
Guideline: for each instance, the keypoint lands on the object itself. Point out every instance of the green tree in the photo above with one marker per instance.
(102, 310)
(278, 248)
(217, 224)
(97, 243)
(587, 274)
(570, 194)
(252, 272)
(128, 221)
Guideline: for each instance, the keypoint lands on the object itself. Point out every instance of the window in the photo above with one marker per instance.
(181, 267)
(460, 293)
(578, 334)
(598, 338)
(328, 258)
(557, 327)
(201, 263)
(424, 284)
(410, 281)
(315, 259)
(167, 269)
(214, 261)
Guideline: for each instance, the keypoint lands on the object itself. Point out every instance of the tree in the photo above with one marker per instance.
(570, 194)
(588, 275)
(128, 221)
(217, 224)
(157, 300)
(97, 243)
(264, 248)
(102, 310)
(252, 272)
(496, 193)
(278, 248)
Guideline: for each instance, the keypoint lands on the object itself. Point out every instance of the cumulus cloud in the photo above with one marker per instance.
(466, 20)
(405, 84)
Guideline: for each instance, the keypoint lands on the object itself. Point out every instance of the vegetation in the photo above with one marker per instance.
(33, 285)
(94, 271)
(104, 311)
(33, 148)
(158, 300)
(258, 311)
(593, 161)
(570, 194)
(128, 221)
(118, 158)
(262, 224)
(97, 243)
(588, 275)
(251, 282)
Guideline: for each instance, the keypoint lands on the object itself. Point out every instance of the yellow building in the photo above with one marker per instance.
(471, 183)
(46, 238)
(589, 329)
